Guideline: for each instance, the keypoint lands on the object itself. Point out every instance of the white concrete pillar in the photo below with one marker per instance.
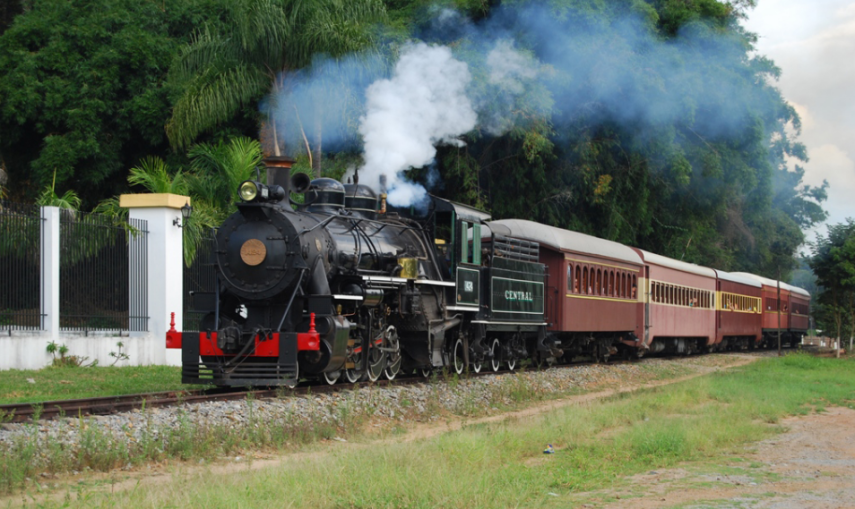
(50, 272)
(165, 265)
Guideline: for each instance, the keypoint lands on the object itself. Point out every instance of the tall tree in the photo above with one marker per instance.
(833, 262)
(233, 68)
(84, 92)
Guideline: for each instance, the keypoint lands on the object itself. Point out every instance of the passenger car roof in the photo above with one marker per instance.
(671, 263)
(771, 282)
(564, 240)
(738, 278)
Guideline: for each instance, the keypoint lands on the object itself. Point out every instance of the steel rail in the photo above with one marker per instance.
(106, 405)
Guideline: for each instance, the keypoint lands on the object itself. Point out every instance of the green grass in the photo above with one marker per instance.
(598, 446)
(78, 382)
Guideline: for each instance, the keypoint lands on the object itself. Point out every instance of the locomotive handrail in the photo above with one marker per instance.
(320, 223)
(298, 288)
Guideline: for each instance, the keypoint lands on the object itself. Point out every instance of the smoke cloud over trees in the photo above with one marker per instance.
(649, 123)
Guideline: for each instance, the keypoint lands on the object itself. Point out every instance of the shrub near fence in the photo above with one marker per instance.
(102, 273)
(20, 267)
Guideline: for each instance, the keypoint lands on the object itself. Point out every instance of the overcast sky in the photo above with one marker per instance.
(813, 43)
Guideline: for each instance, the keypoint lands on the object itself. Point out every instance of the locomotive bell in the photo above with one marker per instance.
(300, 182)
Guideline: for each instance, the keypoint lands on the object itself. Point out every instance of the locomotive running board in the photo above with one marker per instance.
(488, 322)
(435, 283)
(403, 281)
(462, 308)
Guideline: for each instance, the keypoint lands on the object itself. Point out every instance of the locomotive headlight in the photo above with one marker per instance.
(248, 191)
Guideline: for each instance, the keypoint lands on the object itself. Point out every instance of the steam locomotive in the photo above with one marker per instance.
(343, 285)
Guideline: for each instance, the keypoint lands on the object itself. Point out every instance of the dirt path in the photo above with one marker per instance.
(117, 481)
(812, 465)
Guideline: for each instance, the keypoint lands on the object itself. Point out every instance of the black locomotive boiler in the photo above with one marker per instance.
(342, 286)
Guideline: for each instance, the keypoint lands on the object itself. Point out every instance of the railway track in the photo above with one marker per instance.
(106, 405)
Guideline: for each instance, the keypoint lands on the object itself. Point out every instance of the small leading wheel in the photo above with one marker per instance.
(457, 360)
(332, 378)
(496, 350)
(426, 372)
(512, 364)
(476, 367)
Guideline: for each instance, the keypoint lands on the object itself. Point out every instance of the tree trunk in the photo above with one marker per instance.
(316, 159)
(277, 87)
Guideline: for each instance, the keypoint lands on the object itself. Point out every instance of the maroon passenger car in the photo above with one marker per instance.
(679, 303)
(799, 313)
(792, 325)
(739, 311)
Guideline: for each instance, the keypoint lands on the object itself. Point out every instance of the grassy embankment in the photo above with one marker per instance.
(598, 445)
(89, 444)
(56, 383)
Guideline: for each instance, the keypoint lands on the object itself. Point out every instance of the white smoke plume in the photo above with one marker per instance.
(423, 104)
(510, 68)
(510, 72)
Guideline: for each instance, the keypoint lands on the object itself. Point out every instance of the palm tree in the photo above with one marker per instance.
(216, 172)
(69, 201)
(226, 71)
(218, 169)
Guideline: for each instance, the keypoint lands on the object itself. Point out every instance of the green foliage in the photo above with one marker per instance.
(68, 201)
(227, 69)
(61, 359)
(119, 354)
(833, 263)
(84, 92)
(152, 174)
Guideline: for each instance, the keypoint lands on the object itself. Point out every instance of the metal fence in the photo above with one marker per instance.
(103, 273)
(20, 267)
(199, 281)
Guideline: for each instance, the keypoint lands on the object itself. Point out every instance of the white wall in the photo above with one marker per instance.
(25, 350)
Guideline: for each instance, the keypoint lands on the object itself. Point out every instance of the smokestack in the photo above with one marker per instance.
(279, 172)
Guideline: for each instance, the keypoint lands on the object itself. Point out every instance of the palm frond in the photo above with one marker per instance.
(110, 207)
(215, 97)
(153, 174)
(68, 201)
(198, 227)
(219, 169)
(225, 71)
